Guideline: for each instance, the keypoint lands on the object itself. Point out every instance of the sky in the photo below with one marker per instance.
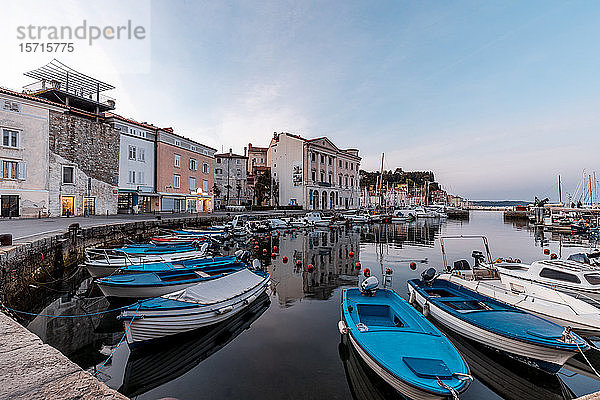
(497, 98)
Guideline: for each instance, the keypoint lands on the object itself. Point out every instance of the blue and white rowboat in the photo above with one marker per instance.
(206, 303)
(500, 326)
(401, 346)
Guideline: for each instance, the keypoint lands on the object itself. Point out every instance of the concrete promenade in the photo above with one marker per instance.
(33, 370)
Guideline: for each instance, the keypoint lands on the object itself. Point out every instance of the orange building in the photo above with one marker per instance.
(184, 173)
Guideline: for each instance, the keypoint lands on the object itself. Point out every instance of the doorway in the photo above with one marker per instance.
(68, 205)
(10, 206)
(89, 206)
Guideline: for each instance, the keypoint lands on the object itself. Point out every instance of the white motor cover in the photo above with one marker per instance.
(369, 284)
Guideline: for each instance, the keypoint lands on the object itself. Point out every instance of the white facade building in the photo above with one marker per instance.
(314, 173)
(137, 163)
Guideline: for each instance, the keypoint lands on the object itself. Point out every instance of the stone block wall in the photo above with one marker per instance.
(92, 148)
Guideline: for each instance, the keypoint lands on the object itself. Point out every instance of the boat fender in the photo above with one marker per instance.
(224, 310)
(251, 299)
(426, 309)
(342, 328)
(412, 297)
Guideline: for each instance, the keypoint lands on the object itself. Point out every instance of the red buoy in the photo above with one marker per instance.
(553, 256)
(357, 265)
(284, 259)
(299, 263)
(546, 251)
(388, 271)
(274, 248)
(367, 272)
(413, 265)
(256, 247)
(256, 242)
(264, 252)
(273, 255)
(310, 267)
(351, 254)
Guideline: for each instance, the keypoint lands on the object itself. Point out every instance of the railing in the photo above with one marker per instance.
(37, 87)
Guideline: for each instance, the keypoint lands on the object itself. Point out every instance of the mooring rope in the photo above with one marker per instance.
(583, 354)
(120, 341)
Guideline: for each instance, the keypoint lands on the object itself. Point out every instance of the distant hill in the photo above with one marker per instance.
(500, 203)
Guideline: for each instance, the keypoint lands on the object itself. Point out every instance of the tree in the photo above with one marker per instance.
(262, 187)
(216, 190)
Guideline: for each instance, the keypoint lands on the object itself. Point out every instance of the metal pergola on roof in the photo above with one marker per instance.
(68, 78)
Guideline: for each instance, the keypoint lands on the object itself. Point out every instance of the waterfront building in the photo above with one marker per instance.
(256, 166)
(83, 154)
(313, 173)
(137, 158)
(24, 154)
(184, 173)
(230, 179)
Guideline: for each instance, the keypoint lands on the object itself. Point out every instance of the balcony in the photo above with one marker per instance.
(324, 184)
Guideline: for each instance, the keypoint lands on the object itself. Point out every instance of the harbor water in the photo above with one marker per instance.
(286, 345)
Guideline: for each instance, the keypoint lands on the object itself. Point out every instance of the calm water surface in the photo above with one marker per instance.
(287, 346)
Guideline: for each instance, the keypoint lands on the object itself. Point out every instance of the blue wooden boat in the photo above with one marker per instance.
(502, 327)
(189, 265)
(204, 304)
(102, 262)
(154, 284)
(401, 346)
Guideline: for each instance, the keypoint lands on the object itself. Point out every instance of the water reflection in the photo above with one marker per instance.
(510, 379)
(295, 341)
(328, 251)
(363, 382)
(156, 364)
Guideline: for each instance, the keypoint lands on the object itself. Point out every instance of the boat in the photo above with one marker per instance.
(211, 232)
(169, 240)
(357, 218)
(399, 216)
(508, 378)
(149, 367)
(184, 265)
(543, 301)
(524, 336)
(103, 262)
(154, 284)
(566, 275)
(204, 304)
(277, 223)
(400, 345)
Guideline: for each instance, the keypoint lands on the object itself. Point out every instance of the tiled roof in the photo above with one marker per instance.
(131, 121)
(30, 97)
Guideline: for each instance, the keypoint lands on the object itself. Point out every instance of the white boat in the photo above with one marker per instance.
(277, 223)
(565, 275)
(316, 218)
(104, 262)
(357, 218)
(201, 305)
(400, 216)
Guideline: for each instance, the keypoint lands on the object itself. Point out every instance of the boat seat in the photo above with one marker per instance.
(461, 265)
(428, 367)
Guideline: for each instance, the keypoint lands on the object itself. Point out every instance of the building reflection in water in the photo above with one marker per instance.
(328, 251)
(421, 232)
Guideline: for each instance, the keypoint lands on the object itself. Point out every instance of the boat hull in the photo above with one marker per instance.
(149, 325)
(142, 292)
(399, 385)
(542, 357)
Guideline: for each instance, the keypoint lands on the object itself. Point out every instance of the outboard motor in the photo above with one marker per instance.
(256, 264)
(428, 276)
(245, 257)
(369, 286)
(478, 257)
(238, 254)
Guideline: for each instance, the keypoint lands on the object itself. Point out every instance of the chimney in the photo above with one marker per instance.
(245, 149)
(230, 152)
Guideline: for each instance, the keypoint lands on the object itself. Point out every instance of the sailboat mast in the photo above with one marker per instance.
(559, 191)
(381, 182)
